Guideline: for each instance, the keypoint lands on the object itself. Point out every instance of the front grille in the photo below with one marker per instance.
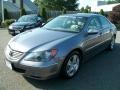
(17, 28)
(13, 54)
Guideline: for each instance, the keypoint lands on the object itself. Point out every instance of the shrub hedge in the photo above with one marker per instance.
(7, 22)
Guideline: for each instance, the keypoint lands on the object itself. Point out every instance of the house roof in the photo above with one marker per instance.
(10, 7)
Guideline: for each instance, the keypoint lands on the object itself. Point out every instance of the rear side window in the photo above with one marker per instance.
(94, 24)
(105, 23)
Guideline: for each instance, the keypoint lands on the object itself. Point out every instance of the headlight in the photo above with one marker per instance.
(41, 56)
(10, 27)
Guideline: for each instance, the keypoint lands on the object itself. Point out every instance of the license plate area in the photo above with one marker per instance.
(17, 31)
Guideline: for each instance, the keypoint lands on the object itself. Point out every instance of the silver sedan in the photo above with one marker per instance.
(60, 46)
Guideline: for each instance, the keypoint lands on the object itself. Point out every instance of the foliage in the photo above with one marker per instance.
(7, 22)
(87, 9)
(116, 8)
(111, 2)
(114, 15)
(118, 1)
(82, 9)
(22, 12)
(44, 13)
(64, 11)
(118, 26)
(102, 12)
(57, 4)
(6, 15)
(50, 19)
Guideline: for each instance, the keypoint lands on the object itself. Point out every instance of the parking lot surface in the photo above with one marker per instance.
(102, 72)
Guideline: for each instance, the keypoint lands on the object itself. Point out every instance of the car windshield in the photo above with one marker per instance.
(27, 19)
(66, 23)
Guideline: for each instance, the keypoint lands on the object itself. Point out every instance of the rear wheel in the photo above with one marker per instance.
(112, 43)
(71, 65)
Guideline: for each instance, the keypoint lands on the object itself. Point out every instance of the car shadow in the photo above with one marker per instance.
(102, 71)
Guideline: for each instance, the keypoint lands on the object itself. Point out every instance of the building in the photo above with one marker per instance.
(27, 4)
(106, 8)
(99, 3)
(13, 7)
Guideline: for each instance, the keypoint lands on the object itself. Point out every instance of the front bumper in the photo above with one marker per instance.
(14, 32)
(36, 70)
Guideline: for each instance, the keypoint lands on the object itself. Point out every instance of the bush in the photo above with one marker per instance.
(116, 8)
(8, 22)
(64, 11)
(114, 15)
(22, 12)
(50, 19)
(6, 15)
(118, 26)
(44, 14)
(102, 12)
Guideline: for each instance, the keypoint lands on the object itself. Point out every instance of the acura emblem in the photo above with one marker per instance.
(11, 53)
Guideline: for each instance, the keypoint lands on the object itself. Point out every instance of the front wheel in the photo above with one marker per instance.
(71, 65)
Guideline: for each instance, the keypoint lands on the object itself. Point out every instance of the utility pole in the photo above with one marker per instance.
(2, 5)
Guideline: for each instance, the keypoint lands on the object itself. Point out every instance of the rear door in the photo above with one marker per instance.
(106, 31)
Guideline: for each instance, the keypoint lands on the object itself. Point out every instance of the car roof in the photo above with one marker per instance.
(82, 15)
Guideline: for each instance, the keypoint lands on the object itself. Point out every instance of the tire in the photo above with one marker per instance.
(112, 43)
(13, 34)
(71, 65)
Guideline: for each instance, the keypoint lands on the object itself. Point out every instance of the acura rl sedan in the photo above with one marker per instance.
(60, 46)
(24, 23)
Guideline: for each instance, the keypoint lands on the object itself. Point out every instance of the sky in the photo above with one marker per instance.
(84, 3)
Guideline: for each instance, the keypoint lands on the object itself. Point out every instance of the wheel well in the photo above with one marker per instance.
(79, 50)
(115, 35)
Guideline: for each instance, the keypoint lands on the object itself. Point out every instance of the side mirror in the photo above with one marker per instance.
(92, 31)
(15, 20)
(42, 24)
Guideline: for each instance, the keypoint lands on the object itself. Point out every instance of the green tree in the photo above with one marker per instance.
(22, 12)
(82, 10)
(86, 10)
(102, 12)
(57, 4)
(111, 2)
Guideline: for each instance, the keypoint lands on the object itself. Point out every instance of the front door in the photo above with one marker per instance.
(93, 38)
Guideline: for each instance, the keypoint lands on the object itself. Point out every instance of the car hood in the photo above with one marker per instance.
(35, 38)
(23, 23)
